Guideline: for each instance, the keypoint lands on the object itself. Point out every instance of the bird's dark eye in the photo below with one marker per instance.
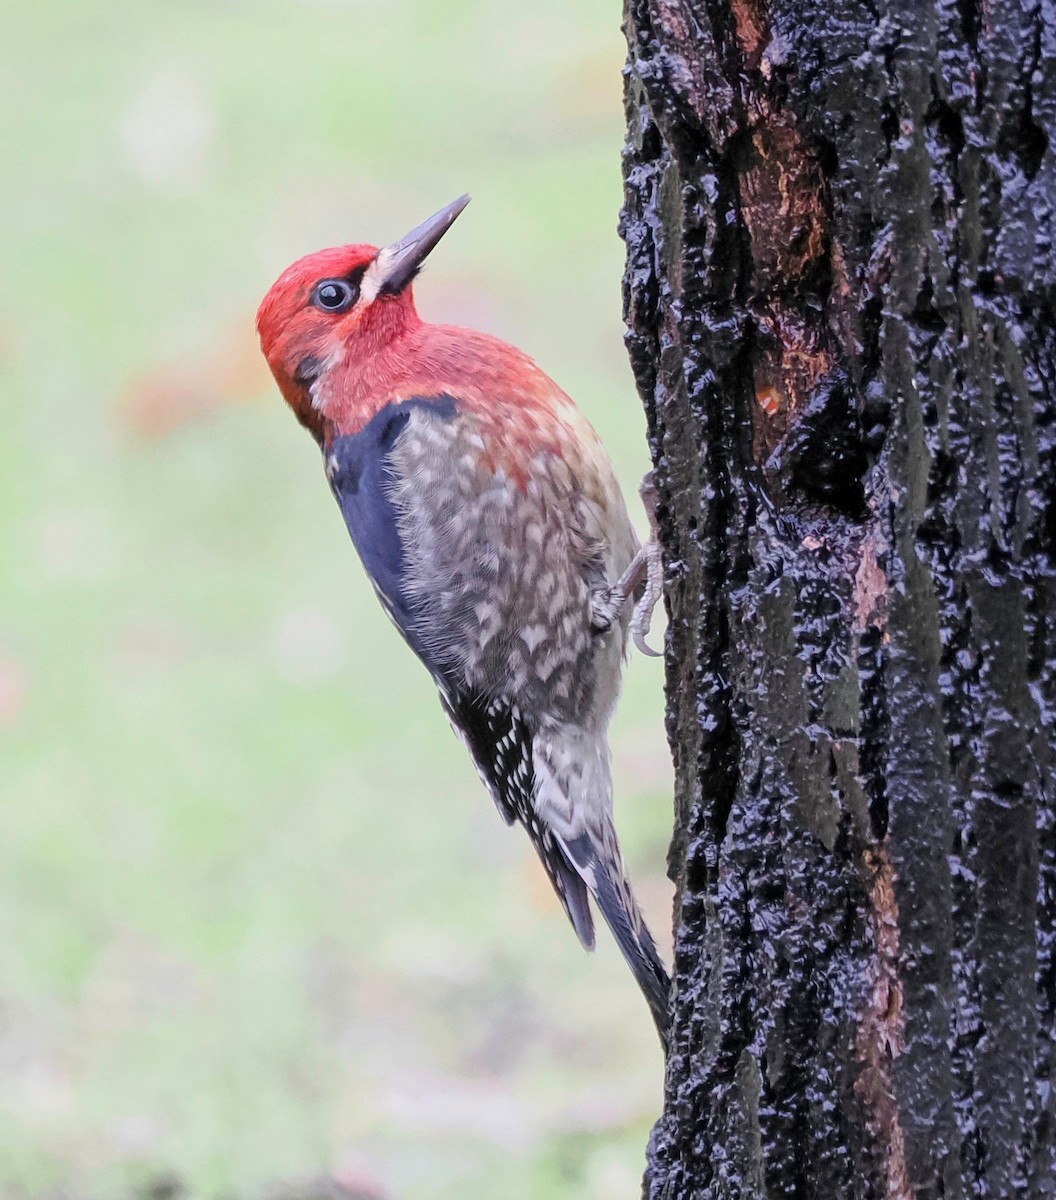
(334, 295)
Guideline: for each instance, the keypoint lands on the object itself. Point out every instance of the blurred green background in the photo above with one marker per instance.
(258, 919)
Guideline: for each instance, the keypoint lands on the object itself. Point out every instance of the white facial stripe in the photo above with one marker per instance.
(329, 362)
(375, 276)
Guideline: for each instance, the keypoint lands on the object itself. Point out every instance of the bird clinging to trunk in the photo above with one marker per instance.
(488, 517)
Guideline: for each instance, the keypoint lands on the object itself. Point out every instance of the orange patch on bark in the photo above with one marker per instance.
(882, 1025)
(769, 400)
(870, 586)
(782, 199)
(791, 360)
(751, 28)
(783, 203)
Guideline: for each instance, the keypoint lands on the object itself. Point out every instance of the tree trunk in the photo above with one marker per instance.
(839, 294)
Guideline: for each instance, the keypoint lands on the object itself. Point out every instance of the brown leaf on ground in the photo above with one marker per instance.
(157, 403)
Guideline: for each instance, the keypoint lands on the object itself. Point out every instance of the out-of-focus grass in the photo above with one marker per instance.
(257, 917)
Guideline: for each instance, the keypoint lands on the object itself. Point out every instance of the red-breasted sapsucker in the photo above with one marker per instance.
(490, 522)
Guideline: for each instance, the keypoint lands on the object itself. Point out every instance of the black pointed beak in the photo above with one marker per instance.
(398, 263)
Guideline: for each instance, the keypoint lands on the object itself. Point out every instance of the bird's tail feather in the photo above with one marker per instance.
(567, 881)
(604, 875)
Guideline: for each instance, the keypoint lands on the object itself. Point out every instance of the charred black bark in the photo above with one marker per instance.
(841, 307)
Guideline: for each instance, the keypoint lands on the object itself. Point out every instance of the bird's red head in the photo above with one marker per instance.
(346, 304)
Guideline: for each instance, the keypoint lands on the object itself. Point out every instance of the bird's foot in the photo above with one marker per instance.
(654, 568)
(642, 617)
(645, 572)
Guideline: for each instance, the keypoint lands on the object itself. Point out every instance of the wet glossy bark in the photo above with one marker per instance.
(840, 301)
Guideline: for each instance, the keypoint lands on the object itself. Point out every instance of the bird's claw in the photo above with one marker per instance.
(646, 571)
(644, 647)
(653, 587)
(654, 569)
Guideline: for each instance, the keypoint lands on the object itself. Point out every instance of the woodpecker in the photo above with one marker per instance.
(487, 515)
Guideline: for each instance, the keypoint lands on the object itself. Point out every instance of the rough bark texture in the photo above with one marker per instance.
(840, 301)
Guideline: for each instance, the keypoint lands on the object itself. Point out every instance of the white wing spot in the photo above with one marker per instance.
(533, 636)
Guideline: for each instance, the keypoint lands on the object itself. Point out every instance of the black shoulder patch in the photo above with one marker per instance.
(360, 473)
